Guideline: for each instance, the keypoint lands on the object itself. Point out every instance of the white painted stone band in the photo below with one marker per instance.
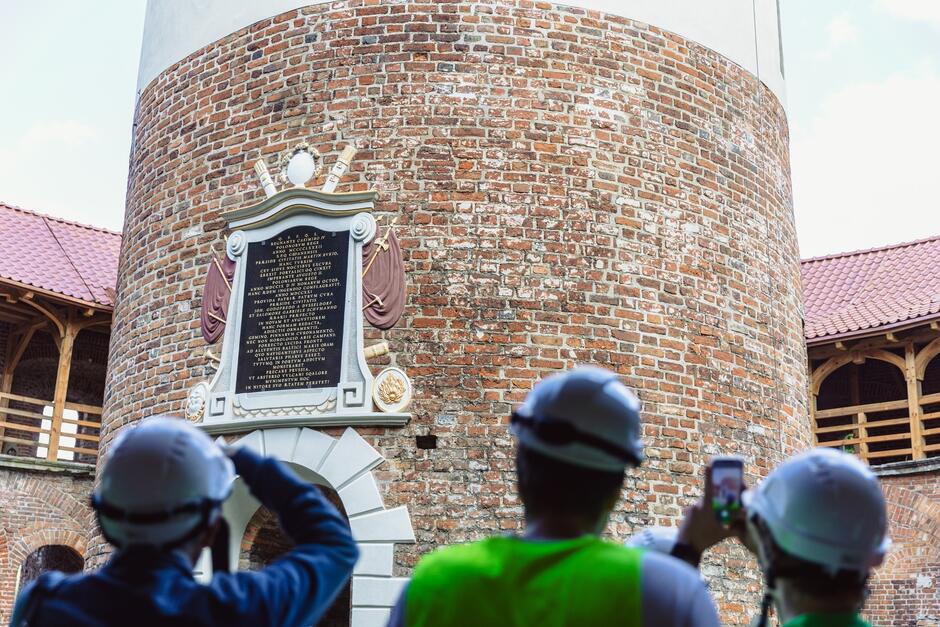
(344, 464)
(745, 31)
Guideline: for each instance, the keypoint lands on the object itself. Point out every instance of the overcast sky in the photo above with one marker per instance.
(863, 83)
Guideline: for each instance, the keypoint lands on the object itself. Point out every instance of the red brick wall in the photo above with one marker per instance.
(906, 589)
(38, 509)
(573, 187)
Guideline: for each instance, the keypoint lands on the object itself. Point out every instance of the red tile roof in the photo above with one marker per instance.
(856, 293)
(58, 256)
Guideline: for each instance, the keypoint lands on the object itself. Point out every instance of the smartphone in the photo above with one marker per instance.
(220, 549)
(727, 484)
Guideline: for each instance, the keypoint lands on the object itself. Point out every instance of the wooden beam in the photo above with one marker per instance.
(47, 310)
(869, 408)
(71, 329)
(55, 297)
(851, 425)
(841, 346)
(891, 337)
(813, 419)
(913, 400)
(930, 399)
(935, 325)
(924, 357)
(16, 354)
(96, 322)
(854, 356)
(919, 335)
(825, 369)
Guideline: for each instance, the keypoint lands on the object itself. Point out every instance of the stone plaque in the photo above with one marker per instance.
(293, 309)
(293, 349)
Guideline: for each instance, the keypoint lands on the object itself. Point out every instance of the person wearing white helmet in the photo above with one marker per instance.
(158, 502)
(818, 526)
(577, 434)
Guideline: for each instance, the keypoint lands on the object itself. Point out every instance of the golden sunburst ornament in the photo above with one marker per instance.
(391, 390)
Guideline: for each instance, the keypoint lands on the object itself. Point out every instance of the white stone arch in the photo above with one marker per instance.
(344, 464)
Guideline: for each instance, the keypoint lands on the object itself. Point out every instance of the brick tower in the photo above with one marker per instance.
(582, 182)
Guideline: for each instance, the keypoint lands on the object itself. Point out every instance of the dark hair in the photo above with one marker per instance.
(548, 486)
(812, 580)
(809, 578)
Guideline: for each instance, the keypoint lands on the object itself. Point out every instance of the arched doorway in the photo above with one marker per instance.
(48, 558)
(343, 465)
(264, 542)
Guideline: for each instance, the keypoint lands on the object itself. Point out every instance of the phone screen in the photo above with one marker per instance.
(727, 477)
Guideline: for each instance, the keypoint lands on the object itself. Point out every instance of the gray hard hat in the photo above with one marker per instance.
(823, 506)
(585, 417)
(163, 481)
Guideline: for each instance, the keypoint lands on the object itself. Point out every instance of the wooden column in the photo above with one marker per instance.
(913, 400)
(859, 419)
(862, 435)
(66, 343)
(6, 386)
(812, 416)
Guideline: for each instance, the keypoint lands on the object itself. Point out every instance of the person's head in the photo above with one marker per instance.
(819, 526)
(577, 433)
(162, 487)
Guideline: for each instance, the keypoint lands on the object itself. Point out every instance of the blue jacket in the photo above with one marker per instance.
(144, 588)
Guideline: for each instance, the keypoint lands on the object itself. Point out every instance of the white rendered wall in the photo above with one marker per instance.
(744, 31)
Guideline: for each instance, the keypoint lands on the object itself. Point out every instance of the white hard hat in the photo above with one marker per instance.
(659, 539)
(824, 507)
(585, 417)
(162, 483)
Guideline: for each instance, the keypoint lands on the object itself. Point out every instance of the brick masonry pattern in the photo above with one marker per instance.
(906, 589)
(38, 509)
(573, 187)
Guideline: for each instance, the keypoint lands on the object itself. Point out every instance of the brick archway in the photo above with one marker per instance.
(905, 588)
(344, 464)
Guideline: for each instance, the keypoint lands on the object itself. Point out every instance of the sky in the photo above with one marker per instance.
(863, 95)
(863, 103)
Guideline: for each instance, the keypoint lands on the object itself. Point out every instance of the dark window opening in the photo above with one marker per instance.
(887, 429)
(931, 411)
(49, 558)
(264, 542)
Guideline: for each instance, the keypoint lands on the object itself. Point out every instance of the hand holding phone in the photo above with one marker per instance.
(712, 518)
(724, 486)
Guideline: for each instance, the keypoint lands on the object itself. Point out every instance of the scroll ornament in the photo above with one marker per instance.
(383, 280)
(215, 297)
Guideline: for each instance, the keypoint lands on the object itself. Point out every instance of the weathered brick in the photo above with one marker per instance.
(570, 190)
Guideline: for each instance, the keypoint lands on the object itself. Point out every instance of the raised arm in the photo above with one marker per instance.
(300, 586)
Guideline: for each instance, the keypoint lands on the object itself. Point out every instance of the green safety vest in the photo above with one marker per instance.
(816, 619)
(512, 582)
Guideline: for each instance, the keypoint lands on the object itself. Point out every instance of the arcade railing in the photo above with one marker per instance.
(31, 427)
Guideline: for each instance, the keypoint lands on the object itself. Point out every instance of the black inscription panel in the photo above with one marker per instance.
(292, 311)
